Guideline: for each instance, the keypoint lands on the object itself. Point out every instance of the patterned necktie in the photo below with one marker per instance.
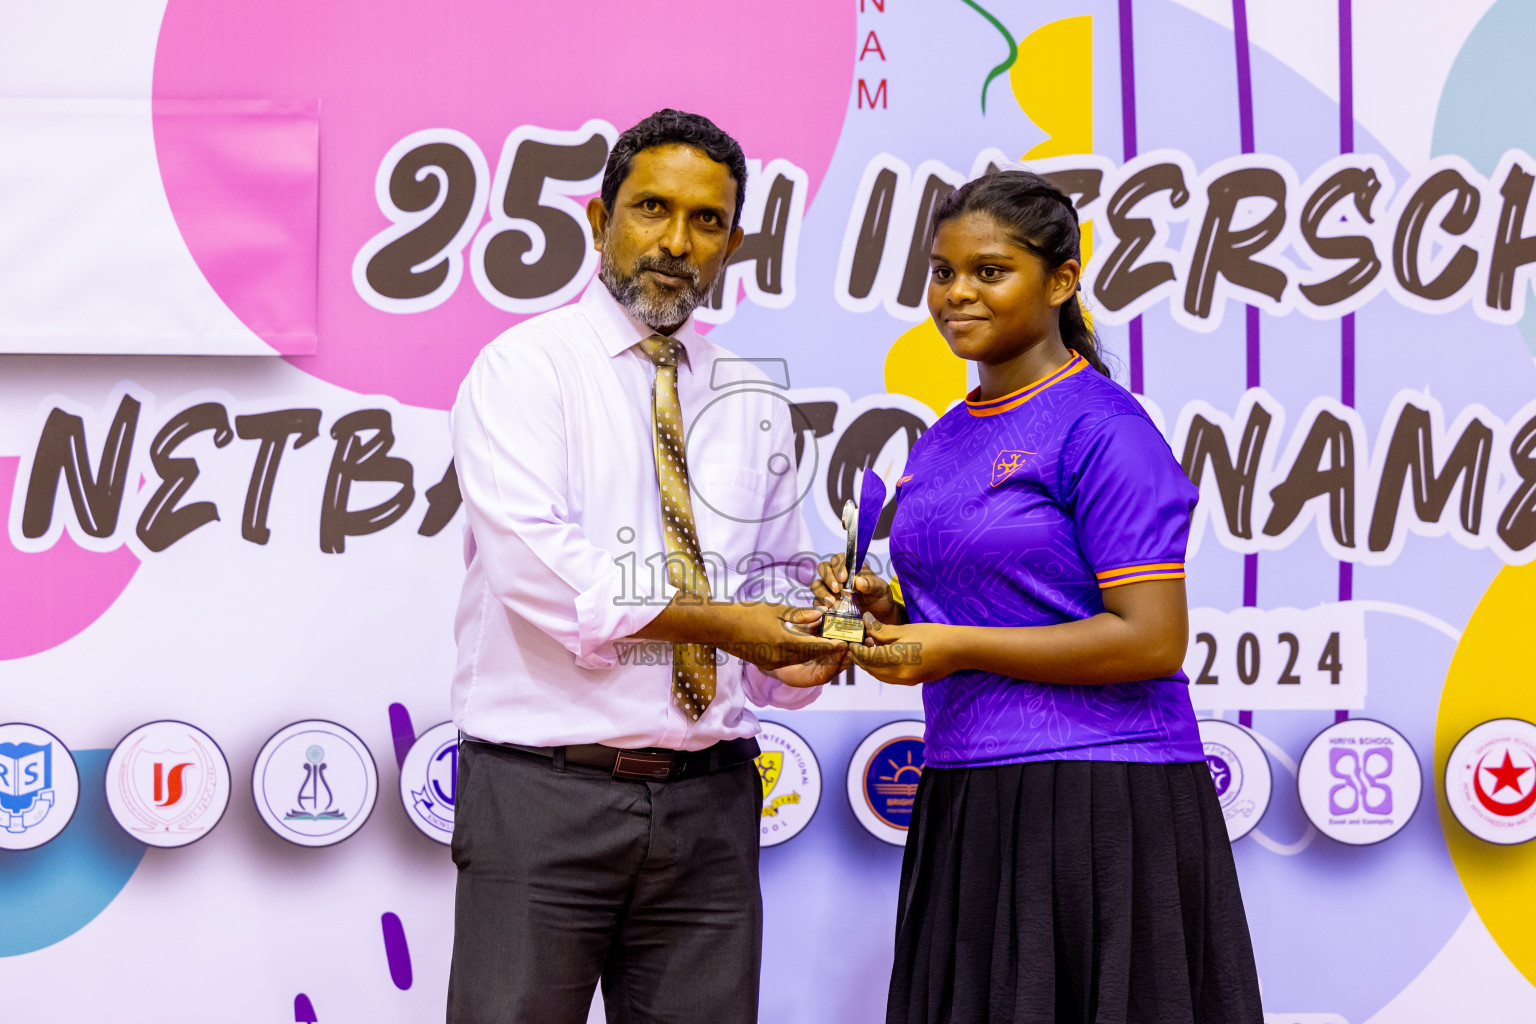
(693, 665)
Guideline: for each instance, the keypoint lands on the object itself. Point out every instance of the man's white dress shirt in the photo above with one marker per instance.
(553, 446)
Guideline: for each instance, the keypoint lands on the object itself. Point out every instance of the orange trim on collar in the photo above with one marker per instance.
(993, 406)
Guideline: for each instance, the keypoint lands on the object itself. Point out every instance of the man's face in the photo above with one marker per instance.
(668, 235)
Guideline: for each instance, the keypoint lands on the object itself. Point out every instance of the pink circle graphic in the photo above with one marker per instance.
(51, 596)
(777, 76)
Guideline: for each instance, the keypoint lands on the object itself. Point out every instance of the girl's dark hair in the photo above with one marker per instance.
(1040, 219)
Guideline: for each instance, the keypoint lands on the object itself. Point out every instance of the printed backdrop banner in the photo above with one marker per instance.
(248, 250)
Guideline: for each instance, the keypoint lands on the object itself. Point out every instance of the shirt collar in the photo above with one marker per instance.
(619, 332)
(992, 406)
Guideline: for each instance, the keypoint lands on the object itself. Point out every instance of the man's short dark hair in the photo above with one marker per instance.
(666, 127)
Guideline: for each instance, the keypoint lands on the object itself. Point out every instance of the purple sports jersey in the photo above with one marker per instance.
(1017, 512)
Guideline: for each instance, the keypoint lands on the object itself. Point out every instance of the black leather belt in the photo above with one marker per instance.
(650, 764)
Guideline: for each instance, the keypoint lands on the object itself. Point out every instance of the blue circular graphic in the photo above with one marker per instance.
(890, 780)
(429, 780)
(49, 893)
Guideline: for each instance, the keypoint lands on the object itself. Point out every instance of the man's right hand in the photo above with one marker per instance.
(770, 636)
(775, 636)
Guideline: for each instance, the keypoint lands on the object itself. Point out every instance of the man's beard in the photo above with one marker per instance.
(660, 307)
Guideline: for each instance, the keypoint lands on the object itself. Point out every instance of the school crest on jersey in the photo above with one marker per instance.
(1006, 464)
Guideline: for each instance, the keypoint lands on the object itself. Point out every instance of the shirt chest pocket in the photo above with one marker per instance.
(731, 492)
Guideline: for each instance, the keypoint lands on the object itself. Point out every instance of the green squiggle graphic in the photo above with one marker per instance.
(1013, 49)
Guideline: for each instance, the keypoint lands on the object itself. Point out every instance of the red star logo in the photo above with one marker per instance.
(1507, 775)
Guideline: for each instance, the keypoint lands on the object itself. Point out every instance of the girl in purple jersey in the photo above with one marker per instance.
(1068, 858)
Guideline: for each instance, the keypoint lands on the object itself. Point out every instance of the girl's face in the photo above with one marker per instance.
(992, 300)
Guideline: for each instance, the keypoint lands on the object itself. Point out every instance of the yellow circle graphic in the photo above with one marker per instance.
(1490, 677)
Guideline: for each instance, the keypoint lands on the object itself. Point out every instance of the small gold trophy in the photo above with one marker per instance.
(845, 622)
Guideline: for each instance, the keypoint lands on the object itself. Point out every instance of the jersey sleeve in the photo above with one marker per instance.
(1130, 501)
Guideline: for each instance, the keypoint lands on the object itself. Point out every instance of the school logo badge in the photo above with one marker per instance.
(429, 781)
(883, 777)
(1359, 782)
(168, 784)
(1240, 772)
(315, 783)
(791, 784)
(1490, 781)
(1007, 464)
(769, 764)
(39, 786)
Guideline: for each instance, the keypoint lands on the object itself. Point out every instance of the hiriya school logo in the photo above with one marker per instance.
(791, 783)
(883, 777)
(1359, 782)
(1240, 772)
(1490, 781)
(1007, 464)
(168, 784)
(315, 783)
(429, 781)
(39, 786)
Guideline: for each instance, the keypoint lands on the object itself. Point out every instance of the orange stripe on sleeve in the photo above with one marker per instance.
(1150, 567)
(1106, 584)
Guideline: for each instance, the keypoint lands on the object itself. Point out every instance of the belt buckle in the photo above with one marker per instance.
(643, 765)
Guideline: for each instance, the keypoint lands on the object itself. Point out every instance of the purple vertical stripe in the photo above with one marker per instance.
(1347, 360)
(1128, 82)
(1244, 75)
(401, 731)
(1245, 133)
(1346, 145)
(1253, 346)
(1347, 325)
(396, 951)
(1138, 381)
(1347, 396)
(1346, 78)
(1128, 145)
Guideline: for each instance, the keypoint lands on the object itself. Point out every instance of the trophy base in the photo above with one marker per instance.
(843, 627)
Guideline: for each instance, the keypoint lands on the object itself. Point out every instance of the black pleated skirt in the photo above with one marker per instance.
(1071, 892)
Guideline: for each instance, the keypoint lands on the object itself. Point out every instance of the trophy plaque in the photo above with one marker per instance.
(845, 621)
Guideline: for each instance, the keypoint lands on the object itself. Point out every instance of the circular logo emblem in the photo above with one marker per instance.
(1359, 782)
(315, 783)
(168, 784)
(39, 786)
(1240, 772)
(429, 781)
(883, 777)
(1490, 781)
(791, 784)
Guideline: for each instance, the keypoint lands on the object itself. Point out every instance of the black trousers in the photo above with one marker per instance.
(570, 877)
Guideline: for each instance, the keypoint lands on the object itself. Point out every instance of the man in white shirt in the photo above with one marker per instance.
(608, 804)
